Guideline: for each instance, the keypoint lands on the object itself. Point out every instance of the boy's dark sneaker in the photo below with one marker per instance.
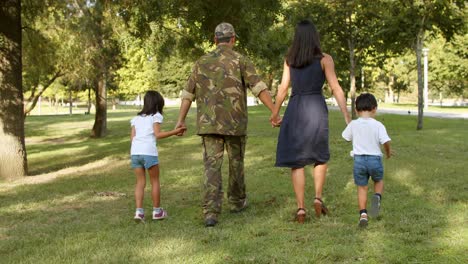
(363, 220)
(374, 206)
(211, 220)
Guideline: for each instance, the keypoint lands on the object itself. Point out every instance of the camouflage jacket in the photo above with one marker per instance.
(218, 83)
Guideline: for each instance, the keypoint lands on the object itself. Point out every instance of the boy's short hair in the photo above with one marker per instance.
(365, 102)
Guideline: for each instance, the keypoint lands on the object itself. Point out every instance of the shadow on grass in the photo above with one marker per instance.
(422, 190)
(71, 223)
(49, 152)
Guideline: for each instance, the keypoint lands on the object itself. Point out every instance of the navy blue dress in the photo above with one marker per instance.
(303, 137)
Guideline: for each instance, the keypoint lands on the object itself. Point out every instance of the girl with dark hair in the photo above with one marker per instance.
(146, 128)
(303, 137)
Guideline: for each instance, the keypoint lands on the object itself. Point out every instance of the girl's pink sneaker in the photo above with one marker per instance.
(159, 215)
(139, 217)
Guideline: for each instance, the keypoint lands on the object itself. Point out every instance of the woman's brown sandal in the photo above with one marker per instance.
(320, 207)
(300, 218)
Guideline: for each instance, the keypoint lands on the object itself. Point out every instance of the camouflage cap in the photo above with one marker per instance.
(224, 30)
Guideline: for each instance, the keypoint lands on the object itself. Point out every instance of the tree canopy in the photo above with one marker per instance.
(126, 47)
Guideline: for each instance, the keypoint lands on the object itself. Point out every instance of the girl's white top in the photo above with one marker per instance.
(367, 135)
(144, 142)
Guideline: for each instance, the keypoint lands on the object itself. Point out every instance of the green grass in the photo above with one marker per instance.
(57, 215)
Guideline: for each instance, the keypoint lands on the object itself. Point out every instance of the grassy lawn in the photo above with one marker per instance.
(77, 206)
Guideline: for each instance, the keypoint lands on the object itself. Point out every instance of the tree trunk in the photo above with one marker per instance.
(100, 121)
(13, 163)
(114, 103)
(56, 104)
(352, 77)
(389, 92)
(362, 79)
(419, 46)
(70, 100)
(398, 95)
(89, 99)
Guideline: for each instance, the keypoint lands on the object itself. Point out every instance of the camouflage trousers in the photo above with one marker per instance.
(213, 152)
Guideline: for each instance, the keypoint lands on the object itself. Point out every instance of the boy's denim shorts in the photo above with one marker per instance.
(144, 161)
(366, 166)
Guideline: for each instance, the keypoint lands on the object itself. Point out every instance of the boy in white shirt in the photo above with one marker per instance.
(367, 134)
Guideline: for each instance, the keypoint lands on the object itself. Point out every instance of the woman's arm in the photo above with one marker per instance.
(164, 134)
(329, 69)
(282, 92)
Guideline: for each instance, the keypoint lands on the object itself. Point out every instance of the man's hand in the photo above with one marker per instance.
(275, 120)
(181, 127)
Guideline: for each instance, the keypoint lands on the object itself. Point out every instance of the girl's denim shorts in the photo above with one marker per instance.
(366, 166)
(144, 161)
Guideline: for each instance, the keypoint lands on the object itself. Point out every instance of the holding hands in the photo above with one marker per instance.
(180, 128)
(275, 120)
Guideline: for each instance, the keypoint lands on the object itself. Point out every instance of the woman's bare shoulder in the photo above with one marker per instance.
(326, 61)
(327, 57)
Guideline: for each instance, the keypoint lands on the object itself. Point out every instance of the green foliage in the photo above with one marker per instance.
(39, 59)
(138, 73)
(172, 75)
(448, 66)
(407, 19)
(152, 44)
(42, 49)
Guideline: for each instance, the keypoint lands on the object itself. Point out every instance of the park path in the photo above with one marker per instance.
(463, 115)
(426, 114)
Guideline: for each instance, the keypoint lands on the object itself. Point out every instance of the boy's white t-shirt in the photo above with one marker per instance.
(367, 135)
(144, 142)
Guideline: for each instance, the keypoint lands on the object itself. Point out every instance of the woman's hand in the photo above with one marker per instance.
(347, 118)
(275, 120)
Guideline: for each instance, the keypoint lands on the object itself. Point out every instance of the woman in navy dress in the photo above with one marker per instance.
(303, 137)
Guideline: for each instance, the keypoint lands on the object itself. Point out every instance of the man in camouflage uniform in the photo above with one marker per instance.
(219, 83)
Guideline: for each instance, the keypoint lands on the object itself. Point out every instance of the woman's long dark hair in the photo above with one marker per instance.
(153, 103)
(305, 47)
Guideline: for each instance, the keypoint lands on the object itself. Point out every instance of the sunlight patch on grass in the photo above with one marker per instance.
(169, 248)
(407, 178)
(71, 128)
(105, 164)
(457, 235)
(66, 221)
(256, 159)
(350, 185)
(58, 152)
(194, 156)
(65, 202)
(117, 119)
(30, 141)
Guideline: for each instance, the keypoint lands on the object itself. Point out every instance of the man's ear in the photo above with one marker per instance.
(215, 40)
